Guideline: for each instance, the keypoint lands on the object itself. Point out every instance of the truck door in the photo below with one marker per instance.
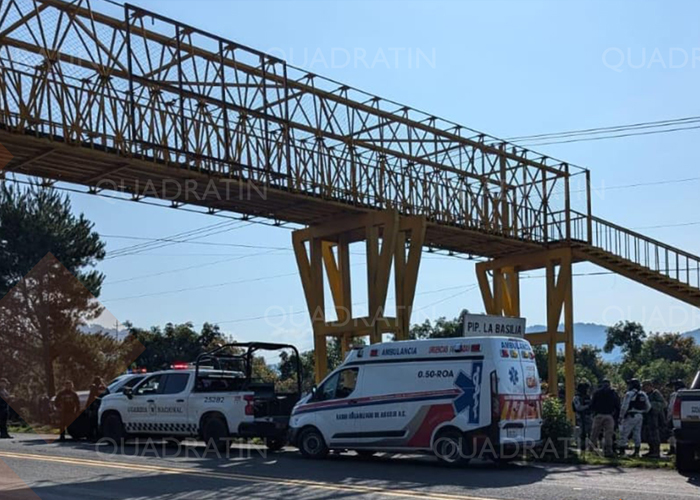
(171, 405)
(141, 408)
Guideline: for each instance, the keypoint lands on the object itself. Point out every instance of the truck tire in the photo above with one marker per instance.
(449, 446)
(685, 458)
(216, 432)
(275, 445)
(312, 444)
(113, 428)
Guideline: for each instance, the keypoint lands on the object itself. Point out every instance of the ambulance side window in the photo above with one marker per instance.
(339, 386)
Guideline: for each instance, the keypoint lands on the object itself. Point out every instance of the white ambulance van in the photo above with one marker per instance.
(457, 398)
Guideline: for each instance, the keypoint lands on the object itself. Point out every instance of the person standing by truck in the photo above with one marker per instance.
(605, 405)
(634, 406)
(68, 405)
(98, 389)
(4, 407)
(654, 419)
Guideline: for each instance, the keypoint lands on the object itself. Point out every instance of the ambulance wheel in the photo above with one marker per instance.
(113, 428)
(275, 445)
(685, 458)
(312, 444)
(216, 432)
(449, 447)
(365, 453)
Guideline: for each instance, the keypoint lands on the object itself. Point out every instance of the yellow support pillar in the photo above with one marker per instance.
(389, 240)
(499, 283)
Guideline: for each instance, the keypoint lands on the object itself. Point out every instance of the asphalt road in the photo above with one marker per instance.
(30, 468)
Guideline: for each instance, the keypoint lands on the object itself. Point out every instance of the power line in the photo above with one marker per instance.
(614, 128)
(178, 238)
(665, 226)
(181, 234)
(616, 136)
(206, 243)
(200, 287)
(188, 268)
(466, 288)
(641, 184)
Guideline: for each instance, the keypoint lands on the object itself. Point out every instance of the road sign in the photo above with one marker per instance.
(477, 325)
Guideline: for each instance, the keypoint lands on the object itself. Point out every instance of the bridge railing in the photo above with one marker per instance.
(637, 248)
(146, 86)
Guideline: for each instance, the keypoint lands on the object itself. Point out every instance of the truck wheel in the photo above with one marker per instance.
(449, 448)
(216, 432)
(312, 444)
(685, 458)
(113, 428)
(275, 445)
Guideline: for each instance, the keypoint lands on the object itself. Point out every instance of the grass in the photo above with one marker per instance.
(594, 458)
(24, 428)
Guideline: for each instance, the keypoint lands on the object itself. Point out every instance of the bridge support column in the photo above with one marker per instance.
(499, 281)
(323, 253)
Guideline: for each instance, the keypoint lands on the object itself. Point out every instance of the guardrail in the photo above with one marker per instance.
(637, 248)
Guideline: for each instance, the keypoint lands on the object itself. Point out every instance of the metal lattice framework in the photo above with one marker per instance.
(149, 88)
(136, 102)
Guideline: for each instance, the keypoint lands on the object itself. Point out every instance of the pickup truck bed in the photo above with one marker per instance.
(686, 428)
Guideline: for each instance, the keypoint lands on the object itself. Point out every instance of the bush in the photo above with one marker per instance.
(557, 431)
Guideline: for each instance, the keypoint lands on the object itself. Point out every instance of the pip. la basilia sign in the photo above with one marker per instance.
(482, 324)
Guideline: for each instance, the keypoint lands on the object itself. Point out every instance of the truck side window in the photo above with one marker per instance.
(176, 383)
(150, 385)
(339, 386)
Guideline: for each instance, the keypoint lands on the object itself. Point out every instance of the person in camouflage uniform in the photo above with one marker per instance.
(634, 406)
(654, 418)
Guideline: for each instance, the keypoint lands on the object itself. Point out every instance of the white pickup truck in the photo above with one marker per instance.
(215, 400)
(686, 427)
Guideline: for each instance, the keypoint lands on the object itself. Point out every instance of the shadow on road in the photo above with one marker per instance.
(410, 472)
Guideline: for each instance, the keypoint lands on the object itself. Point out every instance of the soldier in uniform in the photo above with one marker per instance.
(92, 407)
(604, 406)
(634, 406)
(68, 405)
(582, 408)
(4, 407)
(654, 418)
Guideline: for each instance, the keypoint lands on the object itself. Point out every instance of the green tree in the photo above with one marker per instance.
(46, 280)
(174, 342)
(627, 335)
(441, 328)
(37, 221)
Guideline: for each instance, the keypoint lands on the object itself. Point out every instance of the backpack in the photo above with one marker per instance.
(638, 402)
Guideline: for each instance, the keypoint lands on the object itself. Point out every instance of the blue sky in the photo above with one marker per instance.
(506, 68)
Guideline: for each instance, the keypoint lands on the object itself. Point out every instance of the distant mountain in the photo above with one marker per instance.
(586, 334)
(695, 334)
(94, 328)
(594, 334)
